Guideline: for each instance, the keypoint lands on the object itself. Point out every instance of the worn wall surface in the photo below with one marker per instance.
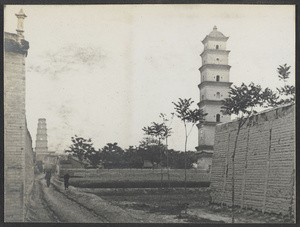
(29, 169)
(17, 141)
(264, 162)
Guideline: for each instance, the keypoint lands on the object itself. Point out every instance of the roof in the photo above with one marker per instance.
(216, 33)
(205, 153)
(77, 159)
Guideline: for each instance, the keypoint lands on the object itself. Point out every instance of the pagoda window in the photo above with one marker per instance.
(218, 95)
(218, 78)
(217, 47)
(218, 118)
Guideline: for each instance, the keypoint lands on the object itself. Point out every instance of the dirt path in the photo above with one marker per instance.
(54, 204)
(38, 211)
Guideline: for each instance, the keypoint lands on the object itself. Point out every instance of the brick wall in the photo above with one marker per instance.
(17, 146)
(29, 169)
(264, 162)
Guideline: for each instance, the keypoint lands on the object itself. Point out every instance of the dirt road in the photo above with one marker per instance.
(54, 204)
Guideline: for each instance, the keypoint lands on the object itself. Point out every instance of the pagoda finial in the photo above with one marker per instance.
(215, 28)
(20, 28)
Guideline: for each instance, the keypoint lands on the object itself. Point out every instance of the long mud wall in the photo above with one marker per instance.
(29, 170)
(18, 154)
(264, 165)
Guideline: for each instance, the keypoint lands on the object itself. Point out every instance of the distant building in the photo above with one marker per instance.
(41, 142)
(50, 161)
(148, 164)
(214, 87)
(69, 162)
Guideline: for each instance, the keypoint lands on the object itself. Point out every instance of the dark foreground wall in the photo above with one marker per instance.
(18, 154)
(264, 162)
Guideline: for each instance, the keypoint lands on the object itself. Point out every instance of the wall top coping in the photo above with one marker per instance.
(265, 115)
(13, 43)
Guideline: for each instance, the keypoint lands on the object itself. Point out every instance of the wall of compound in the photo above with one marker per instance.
(17, 142)
(29, 169)
(264, 162)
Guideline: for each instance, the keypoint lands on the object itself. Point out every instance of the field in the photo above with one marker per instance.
(141, 190)
(141, 178)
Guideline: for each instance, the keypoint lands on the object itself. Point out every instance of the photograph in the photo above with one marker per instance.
(149, 113)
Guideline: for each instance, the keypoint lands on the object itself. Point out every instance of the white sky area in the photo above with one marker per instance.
(106, 71)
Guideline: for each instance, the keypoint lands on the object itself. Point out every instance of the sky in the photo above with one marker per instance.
(106, 71)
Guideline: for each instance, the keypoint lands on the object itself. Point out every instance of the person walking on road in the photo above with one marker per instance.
(48, 177)
(66, 178)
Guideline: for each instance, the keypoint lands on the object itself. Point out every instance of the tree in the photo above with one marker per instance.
(283, 71)
(187, 115)
(112, 155)
(287, 92)
(149, 149)
(157, 130)
(94, 158)
(167, 131)
(81, 148)
(133, 157)
(241, 102)
(176, 159)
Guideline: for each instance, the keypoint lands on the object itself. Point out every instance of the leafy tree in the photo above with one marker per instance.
(283, 71)
(94, 158)
(157, 130)
(242, 102)
(287, 92)
(81, 148)
(133, 158)
(187, 115)
(112, 155)
(167, 131)
(176, 159)
(149, 149)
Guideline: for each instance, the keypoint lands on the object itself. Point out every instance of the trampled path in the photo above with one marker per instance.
(54, 204)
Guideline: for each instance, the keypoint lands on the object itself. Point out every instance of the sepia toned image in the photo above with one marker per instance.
(149, 113)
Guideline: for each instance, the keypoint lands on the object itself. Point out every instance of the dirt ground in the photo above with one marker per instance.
(195, 209)
(94, 205)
